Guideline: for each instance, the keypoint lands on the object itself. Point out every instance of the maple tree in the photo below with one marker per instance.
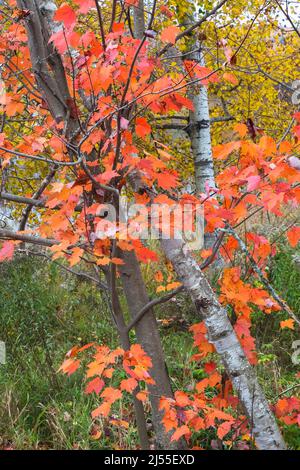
(87, 85)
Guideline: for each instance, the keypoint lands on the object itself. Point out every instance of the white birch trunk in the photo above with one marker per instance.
(200, 136)
(221, 334)
(199, 132)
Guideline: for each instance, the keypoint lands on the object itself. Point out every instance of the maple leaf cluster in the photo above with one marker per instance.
(103, 371)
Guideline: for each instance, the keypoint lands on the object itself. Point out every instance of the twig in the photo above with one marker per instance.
(261, 275)
(36, 196)
(288, 390)
(152, 304)
(69, 270)
(10, 235)
(41, 159)
(187, 31)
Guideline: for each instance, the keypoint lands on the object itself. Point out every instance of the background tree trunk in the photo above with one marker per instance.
(148, 336)
(200, 136)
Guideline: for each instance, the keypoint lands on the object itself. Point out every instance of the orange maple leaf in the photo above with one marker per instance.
(169, 34)
(95, 385)
(181, 431)
(294, 236)
(288, 324)
(66, 15)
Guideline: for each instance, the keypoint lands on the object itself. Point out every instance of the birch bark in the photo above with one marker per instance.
(199, 132)
(221, 334)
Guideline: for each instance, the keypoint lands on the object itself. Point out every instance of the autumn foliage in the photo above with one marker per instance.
(119, 87)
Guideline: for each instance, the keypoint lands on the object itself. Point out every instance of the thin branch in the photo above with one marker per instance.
(286, 133)
(152, 304)
(247, 34)
(36, 202)
(113, 15)
(41, 159)
(97, 184)
(215, 250)
(10, 235)
(22, 200)
(185, 127)
(36, 196)
(187, 31)
(163, 118)
(101, 24)
(288, 390)
(222, 119)
(173, 126)
(286, 14)
(69, 270)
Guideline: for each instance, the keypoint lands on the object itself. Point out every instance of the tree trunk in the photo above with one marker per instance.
(221, 334)
(139, 20)
(199, 132)
(148, 336)
(117, 314)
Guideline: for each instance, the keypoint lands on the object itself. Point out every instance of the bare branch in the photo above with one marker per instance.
(286, 14)
(80, 274)
(22, 200)
(41, 159)
(152, 304)
(10, 235)
(36, 196)
(189, 30)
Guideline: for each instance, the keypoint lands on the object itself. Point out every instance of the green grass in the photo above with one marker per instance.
(46, 311)
(43, 314)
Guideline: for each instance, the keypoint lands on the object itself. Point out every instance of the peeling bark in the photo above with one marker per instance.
(199, 131)
(200, 136)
